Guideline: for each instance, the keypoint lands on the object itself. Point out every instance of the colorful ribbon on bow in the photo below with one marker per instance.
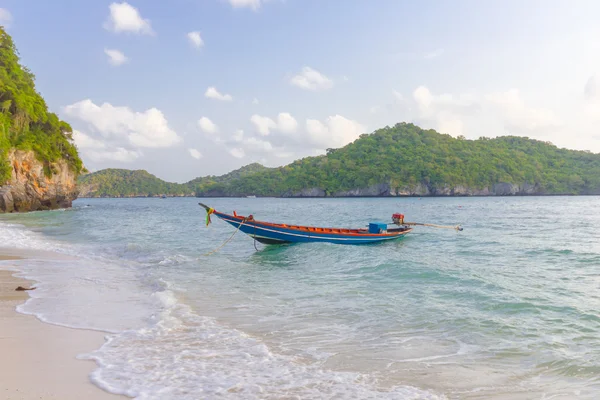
(208, 212)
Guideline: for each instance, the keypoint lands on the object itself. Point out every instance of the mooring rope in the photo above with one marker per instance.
(225, 242)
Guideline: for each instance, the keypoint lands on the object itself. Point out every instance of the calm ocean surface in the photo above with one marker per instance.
(507, 309)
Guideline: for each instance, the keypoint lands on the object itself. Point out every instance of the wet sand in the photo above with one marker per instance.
(38, 360)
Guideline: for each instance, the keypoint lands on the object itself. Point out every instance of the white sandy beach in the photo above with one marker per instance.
(38, 360)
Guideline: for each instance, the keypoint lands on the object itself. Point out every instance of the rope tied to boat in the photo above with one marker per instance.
(225, 242)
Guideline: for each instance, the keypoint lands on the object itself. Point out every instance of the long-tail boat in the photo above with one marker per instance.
(274, 233)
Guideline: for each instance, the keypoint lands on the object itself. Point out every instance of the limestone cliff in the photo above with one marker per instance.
(29, 189)
(386, 190)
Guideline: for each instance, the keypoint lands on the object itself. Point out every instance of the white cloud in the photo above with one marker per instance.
(213, 93)
(121, 124)
(428, 102)
(115, 57)
(310, 79)
(423, 97)
(444, 112)
(258, 145)
(118, 154)
(84, 141)
(448, 113)
(253, 4)
(285, 123)
(207, 125)
(316, 128)
(195, 153)
(238, 136)
(283, 138)
(336, 131)
(5, 16)
(126, 18)
(451, 125)
(195, 39)
(262, 124)
(97, 150)
(518, 117)
(239, 144)
(237, 152)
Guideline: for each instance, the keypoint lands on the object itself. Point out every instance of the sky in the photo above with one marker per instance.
(189, 88)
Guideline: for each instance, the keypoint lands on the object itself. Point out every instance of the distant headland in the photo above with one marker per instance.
(403, 160)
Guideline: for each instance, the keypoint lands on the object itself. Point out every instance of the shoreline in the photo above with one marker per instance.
(39, 359)
(353, 197)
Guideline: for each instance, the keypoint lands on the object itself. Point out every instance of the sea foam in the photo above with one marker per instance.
(158, 347)
(187, 356)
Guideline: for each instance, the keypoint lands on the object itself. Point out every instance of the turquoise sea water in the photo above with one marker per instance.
(506, 309)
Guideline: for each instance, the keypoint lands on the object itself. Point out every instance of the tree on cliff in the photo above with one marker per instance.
(25, 122)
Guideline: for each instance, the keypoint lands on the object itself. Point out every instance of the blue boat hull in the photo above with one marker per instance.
(276, 234)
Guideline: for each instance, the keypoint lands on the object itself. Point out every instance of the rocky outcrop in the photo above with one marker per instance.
(309, 192)
(507, 189)
(87, 190)
(420, 189)
(387, 190)
(29, 189)
(381, 189)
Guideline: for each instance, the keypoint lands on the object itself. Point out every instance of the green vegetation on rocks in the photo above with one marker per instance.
(25, 122)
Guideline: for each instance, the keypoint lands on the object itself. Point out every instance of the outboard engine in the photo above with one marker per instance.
(398, 218)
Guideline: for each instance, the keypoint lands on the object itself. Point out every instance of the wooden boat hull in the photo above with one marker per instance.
(269, 233)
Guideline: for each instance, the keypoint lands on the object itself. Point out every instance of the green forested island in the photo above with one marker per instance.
(114, 182)
(209, 184)
(403, 160)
